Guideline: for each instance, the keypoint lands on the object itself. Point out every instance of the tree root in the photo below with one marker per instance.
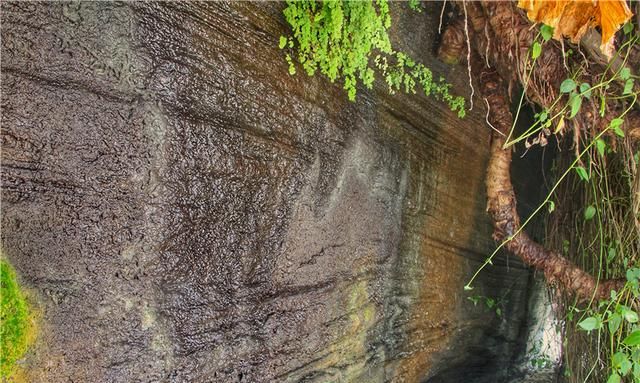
(501, 206)
(511, 36)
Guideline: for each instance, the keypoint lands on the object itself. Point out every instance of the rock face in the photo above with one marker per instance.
(183, 210)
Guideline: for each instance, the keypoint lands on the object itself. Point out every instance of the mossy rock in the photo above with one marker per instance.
(16, 326)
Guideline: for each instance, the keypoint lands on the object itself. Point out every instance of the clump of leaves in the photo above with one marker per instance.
(15, 320)
(618, 316)
(348, 40)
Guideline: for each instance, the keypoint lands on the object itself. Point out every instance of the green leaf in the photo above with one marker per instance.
(546, 31)
(283, 42)
(544, 115)
(620, 361)
(618, 358)
(615, 125)
(633, 274)
(614, 378)
(625, 367)
(601, 146)
(576, 103)
(589, 212)
(415, 5)
(625, 73)
(590, 323)
(536, 49)
(582, 173)
(628, 87)
(614, 322)
(552, 206)
(292, 67)
(633, 339)
(568, 86)
(628, 28)
(630, 315)
(585, 89)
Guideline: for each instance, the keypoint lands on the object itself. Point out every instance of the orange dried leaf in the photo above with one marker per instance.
(572, 19)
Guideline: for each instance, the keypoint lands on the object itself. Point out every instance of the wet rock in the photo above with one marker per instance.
(186, 211)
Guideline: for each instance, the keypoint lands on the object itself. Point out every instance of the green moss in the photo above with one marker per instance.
(15, 320)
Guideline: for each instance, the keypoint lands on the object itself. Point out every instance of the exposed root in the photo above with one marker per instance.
(444, 5)
(466, 33)
(501, 207)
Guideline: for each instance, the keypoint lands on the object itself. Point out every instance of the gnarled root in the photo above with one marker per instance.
(501, 206)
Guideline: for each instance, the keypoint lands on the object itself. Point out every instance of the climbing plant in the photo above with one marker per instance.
(349, 41)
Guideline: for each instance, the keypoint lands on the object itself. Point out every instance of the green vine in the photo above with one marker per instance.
(348, 39)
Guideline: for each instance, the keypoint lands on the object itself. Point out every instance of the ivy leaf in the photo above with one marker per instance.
(625, 73)
(547, 32)
(628, 28)
(633, 274)
(590, 324)
(544, 115)
(536, 49)
(582, 172)
(614, 378)
(625, 367)
(628, 87)
(633, 339)
(567, 86)
(576, 103)
(620, 361)
(615, 125)
(630, 315)
(589, 213)
(585, 89)
(614, 322)
(618, 358)
(601, 146)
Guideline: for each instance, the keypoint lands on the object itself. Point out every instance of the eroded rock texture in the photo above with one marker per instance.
(183, 210)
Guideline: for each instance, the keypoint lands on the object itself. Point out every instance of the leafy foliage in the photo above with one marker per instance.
(348, 39)
(619, 320)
